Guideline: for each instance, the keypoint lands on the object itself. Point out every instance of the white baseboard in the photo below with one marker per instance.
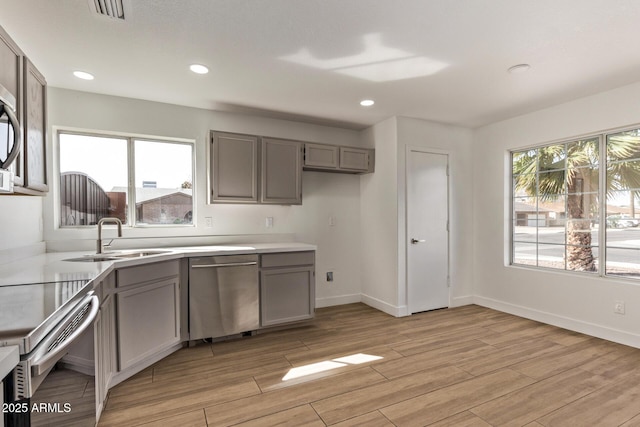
(400, 311)
(385, 307)
(460, 301)
(587, 328)
(339, 300)
(79, 364)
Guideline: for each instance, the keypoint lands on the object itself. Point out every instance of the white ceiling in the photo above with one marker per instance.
(314, 60)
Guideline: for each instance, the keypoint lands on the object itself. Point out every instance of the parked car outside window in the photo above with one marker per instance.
(622, 221)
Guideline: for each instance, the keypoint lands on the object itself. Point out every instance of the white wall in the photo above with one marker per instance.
(332, 195)
(457, 142)
(20, 227)
(383, 210)
(379, 222)
(323, 193)
(580, 302)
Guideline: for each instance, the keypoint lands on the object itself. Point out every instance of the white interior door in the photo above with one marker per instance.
(427, 231)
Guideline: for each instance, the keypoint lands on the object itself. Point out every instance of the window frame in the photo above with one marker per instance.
(603, 164)
(130, 164)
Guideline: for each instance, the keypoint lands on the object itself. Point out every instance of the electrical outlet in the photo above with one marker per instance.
(618, 307)
(208, 221)
(329, 276)
(268, 222)
(332, 221)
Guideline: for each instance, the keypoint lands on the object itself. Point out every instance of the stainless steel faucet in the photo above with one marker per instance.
(99, 246)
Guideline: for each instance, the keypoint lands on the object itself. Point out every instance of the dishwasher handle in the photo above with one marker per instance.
(229, 264)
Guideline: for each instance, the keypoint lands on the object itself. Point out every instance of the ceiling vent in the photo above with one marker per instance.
(108, 8)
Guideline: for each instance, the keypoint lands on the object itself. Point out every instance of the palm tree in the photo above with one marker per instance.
(570, 172)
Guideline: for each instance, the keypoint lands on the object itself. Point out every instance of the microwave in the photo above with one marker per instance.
(10, 138)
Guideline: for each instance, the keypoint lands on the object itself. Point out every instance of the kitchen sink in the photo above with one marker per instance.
(114, 256)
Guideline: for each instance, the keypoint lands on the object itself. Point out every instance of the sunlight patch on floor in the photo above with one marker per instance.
(327, 365)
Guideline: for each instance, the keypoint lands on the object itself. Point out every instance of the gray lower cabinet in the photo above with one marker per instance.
(105, 343)
(148, 313)
(287, 287)
(104, 330)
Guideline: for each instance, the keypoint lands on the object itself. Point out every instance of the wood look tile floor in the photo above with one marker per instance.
(466, 366)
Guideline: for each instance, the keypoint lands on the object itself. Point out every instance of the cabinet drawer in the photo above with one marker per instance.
(145, 273)
(287, 259)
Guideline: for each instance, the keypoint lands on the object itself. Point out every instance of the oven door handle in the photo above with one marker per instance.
(42, 362)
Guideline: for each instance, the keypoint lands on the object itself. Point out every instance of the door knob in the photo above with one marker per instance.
(414, 241)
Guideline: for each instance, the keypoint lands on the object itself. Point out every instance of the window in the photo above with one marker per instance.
(623, 189)
(141, 182)
(558, 192)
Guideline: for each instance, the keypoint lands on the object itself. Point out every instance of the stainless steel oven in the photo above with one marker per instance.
(43, 320)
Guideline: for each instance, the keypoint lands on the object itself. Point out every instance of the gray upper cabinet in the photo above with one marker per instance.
(35, 129)
(253, 169)
(29, 87)
(11, 79)
(281, 172)
(355, 159)
(234, 168)
(10, 68)
(334, 158)
(321, 156)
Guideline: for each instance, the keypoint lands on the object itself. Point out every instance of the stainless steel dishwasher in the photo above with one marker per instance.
(223, 295)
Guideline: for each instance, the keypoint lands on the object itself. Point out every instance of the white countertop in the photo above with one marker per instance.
(52, 267)
(9, 358)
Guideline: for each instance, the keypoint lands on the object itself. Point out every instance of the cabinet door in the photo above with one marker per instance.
(321, 156)
(354, 159)
(281, 172)
(234, 168)
(11, 80)
(10, 57)
(35, 129)
(286, 295)
(148, 320)
(104, 350)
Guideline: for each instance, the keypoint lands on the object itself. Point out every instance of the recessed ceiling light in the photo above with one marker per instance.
(367, 102)
(83, 75)
(520, 68)
(199, 69)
